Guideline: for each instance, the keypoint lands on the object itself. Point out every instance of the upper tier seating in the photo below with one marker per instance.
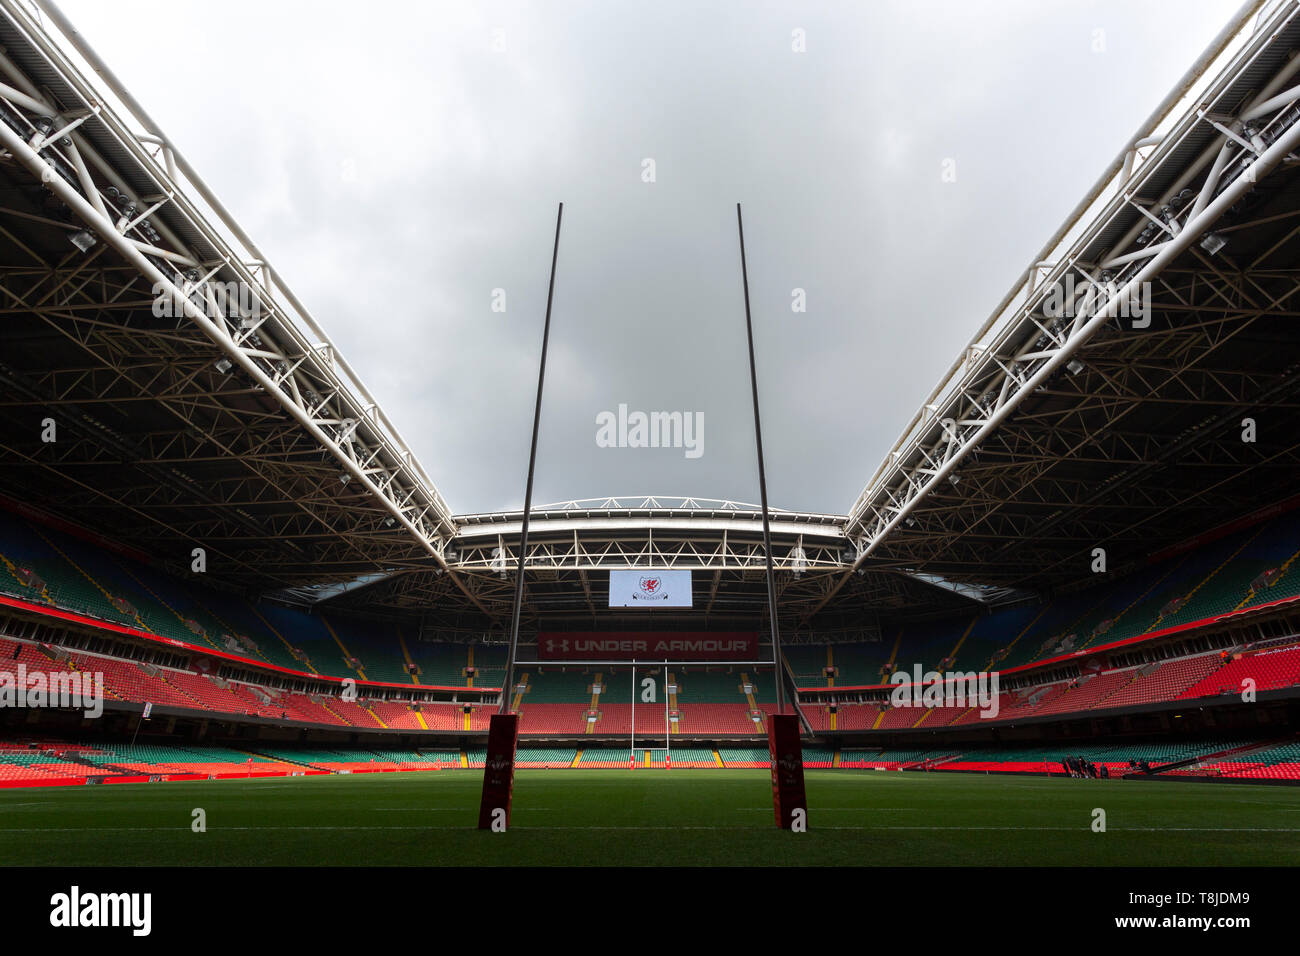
(46, 566)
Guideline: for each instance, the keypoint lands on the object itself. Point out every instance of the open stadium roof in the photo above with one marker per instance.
(187, 417)
(196, 401)
(1070, 421)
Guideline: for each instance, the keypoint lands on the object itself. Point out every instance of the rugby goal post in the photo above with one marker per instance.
(784, 743)
(638, 690)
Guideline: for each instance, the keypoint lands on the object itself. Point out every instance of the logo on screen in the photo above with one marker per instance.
(650, 585)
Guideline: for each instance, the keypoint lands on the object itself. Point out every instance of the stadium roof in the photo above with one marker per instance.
(196, 401)
(1071, 421)
(190, 418)
(571, 545)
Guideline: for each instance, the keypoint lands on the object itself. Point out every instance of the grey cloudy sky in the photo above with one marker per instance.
(397, 169)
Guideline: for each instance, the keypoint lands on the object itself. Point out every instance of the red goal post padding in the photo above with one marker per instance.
(789, 802)
(498, 772)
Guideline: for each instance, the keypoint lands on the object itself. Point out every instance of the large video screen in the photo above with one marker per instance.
(649, 589)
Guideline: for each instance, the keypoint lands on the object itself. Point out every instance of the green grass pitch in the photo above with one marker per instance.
(653, 817)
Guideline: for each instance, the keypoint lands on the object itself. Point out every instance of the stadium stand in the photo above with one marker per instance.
(744, 756)
(32, 761)
(1242, 570)
(554, 701)
(76, 575)
(51, 567)
(1277, 762)
(545, 758)
(1269, 670)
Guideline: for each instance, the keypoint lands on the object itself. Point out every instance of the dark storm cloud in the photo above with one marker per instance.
(398, 169)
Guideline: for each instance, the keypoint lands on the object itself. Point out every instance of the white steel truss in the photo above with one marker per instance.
(1124, 234)
(132, 194)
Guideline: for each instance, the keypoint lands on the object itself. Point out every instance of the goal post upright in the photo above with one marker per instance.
(503, 729)
(528, 487)
(762, 477)
(785, 750)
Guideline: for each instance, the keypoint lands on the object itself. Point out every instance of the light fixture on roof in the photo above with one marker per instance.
(1212, 242)
(954, 478)
(224, 365)
(82, 239)
(390, 521)
(1074, 366)
(344, 478)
